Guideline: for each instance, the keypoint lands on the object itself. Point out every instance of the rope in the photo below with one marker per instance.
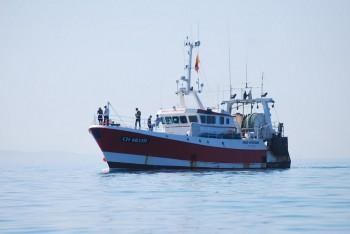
(130, 120)
(116, 113)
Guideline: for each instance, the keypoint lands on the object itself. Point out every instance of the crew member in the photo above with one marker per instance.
(106, 116)
(138, 118)
(158, 120)
(149, 123)
(99, 115)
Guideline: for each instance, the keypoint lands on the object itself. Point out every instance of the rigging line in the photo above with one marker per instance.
(205, 79)
(115, 111)
(227, 90)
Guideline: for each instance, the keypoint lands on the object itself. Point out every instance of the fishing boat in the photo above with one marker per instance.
(231, 136)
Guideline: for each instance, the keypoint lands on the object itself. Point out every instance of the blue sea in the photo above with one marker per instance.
(71, 193)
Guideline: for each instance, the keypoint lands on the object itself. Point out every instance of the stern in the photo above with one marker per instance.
(277, 154)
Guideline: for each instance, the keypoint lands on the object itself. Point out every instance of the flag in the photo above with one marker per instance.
(196, 66)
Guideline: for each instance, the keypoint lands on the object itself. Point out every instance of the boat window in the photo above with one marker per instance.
(203, 118)
(222, 120)
(193, 118)
(175, 119)
(227, 121)
(168, 120)
(183, 119)
(210, 119)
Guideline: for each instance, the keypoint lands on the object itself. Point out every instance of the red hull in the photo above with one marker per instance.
(122, 141)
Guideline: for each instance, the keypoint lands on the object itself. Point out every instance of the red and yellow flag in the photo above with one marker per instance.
(196, 66)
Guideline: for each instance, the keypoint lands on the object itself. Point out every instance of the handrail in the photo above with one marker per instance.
(128, 122)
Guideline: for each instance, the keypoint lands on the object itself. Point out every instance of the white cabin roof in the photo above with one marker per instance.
(186, 111)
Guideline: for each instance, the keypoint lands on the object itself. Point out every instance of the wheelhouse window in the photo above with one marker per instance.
(227, 121)
(193, 118)
(222, 120)
(210, 119)
(183, 119)
(203, 119)
(175, 119)
(168, 120)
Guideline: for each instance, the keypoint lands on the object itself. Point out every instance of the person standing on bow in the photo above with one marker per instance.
(99, 115)
(106, 116)
(138, 118)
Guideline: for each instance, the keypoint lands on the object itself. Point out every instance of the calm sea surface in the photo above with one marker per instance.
(72, 194)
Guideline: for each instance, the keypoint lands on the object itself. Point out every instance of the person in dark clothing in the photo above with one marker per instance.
(149, 123)
(138, 118)
(106, 116)
(99, 115)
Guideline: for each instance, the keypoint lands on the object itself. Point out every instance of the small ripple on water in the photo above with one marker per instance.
(76, 200)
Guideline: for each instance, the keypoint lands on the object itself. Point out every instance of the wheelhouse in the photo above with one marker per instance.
(183, 121)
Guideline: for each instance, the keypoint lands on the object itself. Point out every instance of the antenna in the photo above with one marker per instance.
(229, 62)
(262, 84)
(188, 67)
(246, 75)
(197, 31)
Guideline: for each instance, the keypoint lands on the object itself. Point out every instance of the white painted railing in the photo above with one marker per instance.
(128, 122)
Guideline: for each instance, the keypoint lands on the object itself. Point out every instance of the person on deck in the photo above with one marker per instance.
(99, 115)
(138, 118)
(106, 116)
(149, 123)
(158, 120)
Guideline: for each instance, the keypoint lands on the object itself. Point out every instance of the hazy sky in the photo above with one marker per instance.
(60, 60)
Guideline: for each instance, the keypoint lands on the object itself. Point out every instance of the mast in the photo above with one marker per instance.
(190, 46)
(188, 89)
(189, 65)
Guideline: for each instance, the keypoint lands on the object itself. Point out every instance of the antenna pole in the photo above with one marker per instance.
(262, 83)
(198, 85)
(229, 64)
(246, 75)
(198, 31)
(188, 66)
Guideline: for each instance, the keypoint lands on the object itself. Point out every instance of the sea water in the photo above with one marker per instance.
(68, 193)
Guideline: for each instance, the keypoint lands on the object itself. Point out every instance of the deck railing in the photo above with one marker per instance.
(128, 122)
